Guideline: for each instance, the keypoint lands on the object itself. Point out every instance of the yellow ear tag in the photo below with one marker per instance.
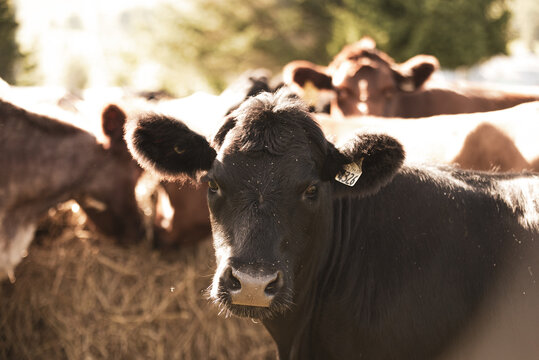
(351, 173)
(310, 93)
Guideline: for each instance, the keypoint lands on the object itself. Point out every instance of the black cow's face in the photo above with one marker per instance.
(266, 212)
(270, 175)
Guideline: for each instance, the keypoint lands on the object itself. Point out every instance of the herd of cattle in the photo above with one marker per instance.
(357, 209)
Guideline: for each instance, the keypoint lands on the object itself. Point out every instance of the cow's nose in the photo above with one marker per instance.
(252, 289)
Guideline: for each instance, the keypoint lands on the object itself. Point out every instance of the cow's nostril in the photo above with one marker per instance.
(273, 287)
(253, 288)
(230, 282)
(234, 284)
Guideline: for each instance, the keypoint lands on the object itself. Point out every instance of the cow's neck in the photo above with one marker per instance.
(64, 156)
(298, 322)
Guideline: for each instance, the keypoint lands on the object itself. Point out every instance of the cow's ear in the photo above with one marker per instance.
(363, 164)
(412, 74)
(113, 121)
(168, 147)
(219, 137)
(301, 73)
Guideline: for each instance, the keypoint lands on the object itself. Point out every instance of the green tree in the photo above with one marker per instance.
(9, 48)
(219, 39)
(223, 38)
(457, 32)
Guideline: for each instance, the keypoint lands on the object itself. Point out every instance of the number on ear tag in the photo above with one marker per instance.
(351, 173)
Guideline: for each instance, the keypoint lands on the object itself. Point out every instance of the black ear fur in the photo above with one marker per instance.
(421, 73)
(219, 137)
(319, 80)
(412, 74)
(168, 147)
(300, 72)
(334, 163)
(380, 156)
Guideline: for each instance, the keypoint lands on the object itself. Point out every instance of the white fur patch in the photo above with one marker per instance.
(341, 74)
(164, 209)
(363, 108)
(521, 196)
(14, 250)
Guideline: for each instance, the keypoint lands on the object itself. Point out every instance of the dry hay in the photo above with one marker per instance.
(79, 296)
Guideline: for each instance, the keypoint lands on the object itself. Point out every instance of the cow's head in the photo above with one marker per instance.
(271, 177)
(364, 80)
(109, 196)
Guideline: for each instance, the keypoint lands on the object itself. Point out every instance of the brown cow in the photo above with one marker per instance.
(366, 81)
(488, 148)
(182, 215)
(503, 140)
(45, 161)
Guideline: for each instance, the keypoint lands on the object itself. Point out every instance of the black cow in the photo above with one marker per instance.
(400, 262)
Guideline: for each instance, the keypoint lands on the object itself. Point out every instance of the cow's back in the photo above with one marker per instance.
(40, 156)
(445, 101)
(43, 162)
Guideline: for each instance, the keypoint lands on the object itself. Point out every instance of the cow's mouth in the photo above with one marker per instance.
(254, 312)
(281, 303)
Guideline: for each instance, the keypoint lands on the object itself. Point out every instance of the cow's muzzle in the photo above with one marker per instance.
(251, 288)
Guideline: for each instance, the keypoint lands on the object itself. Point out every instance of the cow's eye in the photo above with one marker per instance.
(311, 191)
(212, 186)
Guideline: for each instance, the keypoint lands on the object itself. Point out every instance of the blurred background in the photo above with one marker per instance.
(185, 46)
(79, 296)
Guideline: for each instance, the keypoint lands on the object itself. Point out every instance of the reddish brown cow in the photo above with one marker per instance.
(182, 215)
(181, 212)
(503, 140)
(45, 161)
(366, 81)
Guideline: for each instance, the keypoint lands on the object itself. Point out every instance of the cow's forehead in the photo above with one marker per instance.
(276, 138)
(350, 68)
(359, 55)
(271, 129)
(292, 163)
(274, 134)
(262, 172)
